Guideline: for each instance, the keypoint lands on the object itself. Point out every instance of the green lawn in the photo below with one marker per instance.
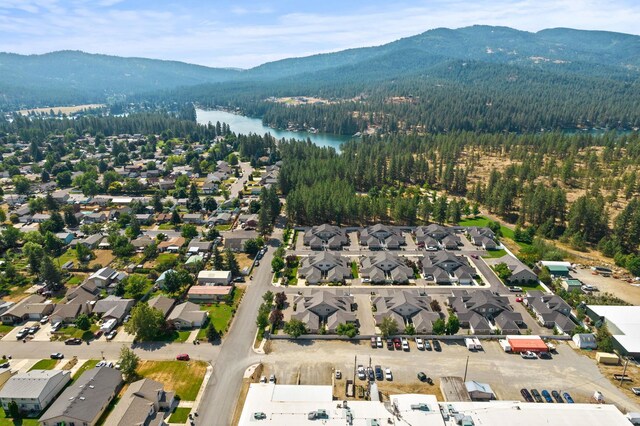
(74, 280)
(44, 364)
(177, 336)
(88, 365)
(166, 226)
(223, 227)
(493, 254)
(483, 221)
(180, 415)
(221, 314)
(68, 332)
(5, 421)
(183, 377)
(68, 255)
(4, 329)
(354, 269)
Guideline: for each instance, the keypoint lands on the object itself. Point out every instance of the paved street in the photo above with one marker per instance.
(236, 355)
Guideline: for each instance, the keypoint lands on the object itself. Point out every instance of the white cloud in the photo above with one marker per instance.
(237, 38)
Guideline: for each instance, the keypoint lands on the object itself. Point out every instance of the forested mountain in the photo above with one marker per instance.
(475, 78)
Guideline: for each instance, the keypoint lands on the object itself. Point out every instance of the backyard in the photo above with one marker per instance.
(185, 378)
(221, 314)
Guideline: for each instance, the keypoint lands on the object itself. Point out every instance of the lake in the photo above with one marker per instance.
(246, 125)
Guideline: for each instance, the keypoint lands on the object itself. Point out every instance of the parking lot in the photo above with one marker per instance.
(626, 291)
(307, 362)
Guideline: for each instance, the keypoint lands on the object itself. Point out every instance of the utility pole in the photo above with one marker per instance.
(624, 370)
(466, 367)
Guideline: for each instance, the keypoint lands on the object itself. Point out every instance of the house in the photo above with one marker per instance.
(67, 313)
(446, 268)
(142, 242)
(385, 267)
(187, 315)
(92, 241)
(161, 279)
(113, 307)
(66, 237)
(208, 294)
(172, 245)
(324, 310)
(248, 221)
(193, 261)
(105, 277)
(199, 246)
(550, 310)
(520, 273)
(406, 308)
(478, 309)
(324, 267)
(585, 341)
(84, 401)
(209, 188)
(482, 237)
(214, 277)
(479, 391)
(15, 199)
(222, 218)
(33, 307)
(380, 236)
(193, 218)
(99, 217)
(144, 218)
(40, 217)
(162, 303)
(143, 404)
(434, 237)
(163, 217)
(33, 390)
(329, 236)
(4, 306)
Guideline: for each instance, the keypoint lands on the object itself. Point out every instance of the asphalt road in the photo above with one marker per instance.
(221, 395)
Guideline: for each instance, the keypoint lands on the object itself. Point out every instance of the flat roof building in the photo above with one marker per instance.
(623, 323)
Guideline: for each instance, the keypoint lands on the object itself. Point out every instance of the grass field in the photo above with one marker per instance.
(177, 336)
(61, 109)
(223, 227)
(180, 415)
(4, 329)
(166, 226)
(44, 364)
(182, 377)
(74, 280)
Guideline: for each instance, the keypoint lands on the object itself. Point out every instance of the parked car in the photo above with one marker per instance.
(387, 374)
(101, 363)
(98, 334)
(475, 256)
(427, 345)
(373, 343)
(34, 328)
(127, 318)
(263, 379)
(436, 346)
(528, 355)
(546, 395)
(370, 374)
(536, 395)
(56, 326)
(379, 373)
(526, 395)
(556, 395)
(111, 334)
(419, 344)
(544, 355)
(422, 377)
(183, 357)
(519, 299)
(73, 341)
(515, 289)
(44, 320)
(362, 374)
(57, 355)
(397, 343)
(634, 390)
(238, 280)
(272, 378)
(405, 344)
(338, 374)
(22, 333)
(379, 341)
(568, 398)
(390, 344)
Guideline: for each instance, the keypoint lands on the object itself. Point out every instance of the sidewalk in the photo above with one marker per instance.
(193, 336)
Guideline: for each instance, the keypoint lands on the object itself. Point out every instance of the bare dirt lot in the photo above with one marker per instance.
(615, 286)
(568, 371)
(103, 257)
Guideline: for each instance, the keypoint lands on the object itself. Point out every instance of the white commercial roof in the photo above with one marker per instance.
(624, 324)
(415, 409)
(555, 263)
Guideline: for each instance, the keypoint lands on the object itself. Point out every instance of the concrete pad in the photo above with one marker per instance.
(44, 334)
(11, 336)
(123, 337)
(364, 315)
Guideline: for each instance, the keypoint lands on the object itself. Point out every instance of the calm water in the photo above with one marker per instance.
(242, 124)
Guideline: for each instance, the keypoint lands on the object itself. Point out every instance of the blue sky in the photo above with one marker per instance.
(245, 33)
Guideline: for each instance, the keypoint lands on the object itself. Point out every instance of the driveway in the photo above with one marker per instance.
(11, 336)
(44, 334)
(364, 314)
